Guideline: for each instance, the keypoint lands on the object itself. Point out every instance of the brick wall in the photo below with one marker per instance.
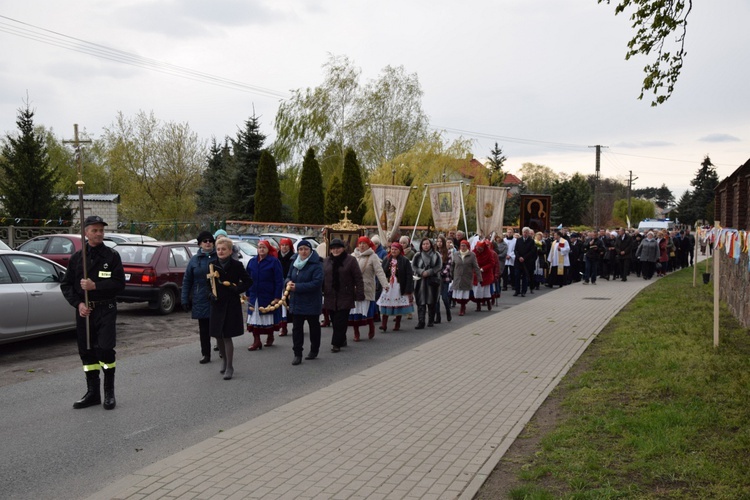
(732, 211)
(735, 286)
(731, 199)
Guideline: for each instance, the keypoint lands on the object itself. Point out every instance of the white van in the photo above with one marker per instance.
(655, 224)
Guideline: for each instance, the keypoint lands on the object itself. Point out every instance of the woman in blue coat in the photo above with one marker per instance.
(305, 284)
(195, 292)
(264, 295)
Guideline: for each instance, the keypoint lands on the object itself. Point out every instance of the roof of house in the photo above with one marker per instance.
(469, 168)
(114, 198)
(511, 180)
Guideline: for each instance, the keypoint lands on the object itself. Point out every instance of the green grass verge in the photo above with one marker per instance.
(658, 412)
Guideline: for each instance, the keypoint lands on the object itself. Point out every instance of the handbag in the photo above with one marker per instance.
(658, 266)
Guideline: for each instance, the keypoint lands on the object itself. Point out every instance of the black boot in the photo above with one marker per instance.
(448, 314)
(421, 312)
(430, 315)
(109, 389)
(93, 395)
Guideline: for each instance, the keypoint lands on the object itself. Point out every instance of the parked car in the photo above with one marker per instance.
(246, 248)
(31, 303)
(253, 239)
(154, 271)
(56, 247)
(296, 238)
(126, 237)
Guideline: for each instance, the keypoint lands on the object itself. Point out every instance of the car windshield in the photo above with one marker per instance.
(247, 247)
(135, 254)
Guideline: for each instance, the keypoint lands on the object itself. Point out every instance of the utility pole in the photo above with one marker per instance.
(630, 186)
(596, 183)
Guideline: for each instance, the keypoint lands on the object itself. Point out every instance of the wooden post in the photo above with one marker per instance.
(716, 287)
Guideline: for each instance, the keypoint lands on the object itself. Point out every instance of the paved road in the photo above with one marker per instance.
(429, 423)
(167, 402)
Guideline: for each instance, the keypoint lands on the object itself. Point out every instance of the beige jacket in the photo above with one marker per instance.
(371, 267)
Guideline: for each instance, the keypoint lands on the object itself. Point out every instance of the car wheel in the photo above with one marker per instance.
(167, 301)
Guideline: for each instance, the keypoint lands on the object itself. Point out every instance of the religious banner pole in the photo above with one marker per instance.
(463, 209)
(424, 196)
(79, 165)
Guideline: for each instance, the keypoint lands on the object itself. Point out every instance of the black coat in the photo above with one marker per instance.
(623, 244)
(226, 311)
(526, 248)
(351, 286)
(103, 267)
(404, 274)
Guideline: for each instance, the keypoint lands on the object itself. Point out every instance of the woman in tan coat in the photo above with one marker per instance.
(363, 312)
(463, 269)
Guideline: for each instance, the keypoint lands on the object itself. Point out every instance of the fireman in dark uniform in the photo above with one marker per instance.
(106, 279)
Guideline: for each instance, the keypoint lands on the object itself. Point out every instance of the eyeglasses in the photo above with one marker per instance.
(207, 241)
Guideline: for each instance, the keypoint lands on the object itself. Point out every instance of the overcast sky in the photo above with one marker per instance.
(544, 79)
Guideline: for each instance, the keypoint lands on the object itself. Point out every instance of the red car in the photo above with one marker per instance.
(56, 247)
(154, 271)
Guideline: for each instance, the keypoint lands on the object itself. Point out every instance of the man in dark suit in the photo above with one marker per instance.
(576, 258)
(525, 259)
(623, 250)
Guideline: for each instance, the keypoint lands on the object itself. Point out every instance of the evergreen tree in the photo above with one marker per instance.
(333, 201)
(267, 191)
(700, 204)
(215, 191)
(28, 180)
(570, 200)
(352, 188)
(247, 149)
(497, 160)
(310, 201)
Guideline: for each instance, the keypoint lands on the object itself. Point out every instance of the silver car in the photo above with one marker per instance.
(31, 303)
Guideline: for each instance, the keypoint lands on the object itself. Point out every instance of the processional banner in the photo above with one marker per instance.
(446, 200)
(389, 203)
(490, 209)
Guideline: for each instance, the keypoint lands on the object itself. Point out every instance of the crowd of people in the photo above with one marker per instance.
(375, 284)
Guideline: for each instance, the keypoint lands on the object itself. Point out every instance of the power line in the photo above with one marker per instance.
(483, 135)
(49, 37)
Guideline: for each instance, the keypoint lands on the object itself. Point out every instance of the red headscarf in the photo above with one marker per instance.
(398, 245)
(483, 258)
(465, 242)
(365, 239)
(286, 241)
(271, 249)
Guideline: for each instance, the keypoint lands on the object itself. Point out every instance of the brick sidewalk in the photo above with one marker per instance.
(429, 423)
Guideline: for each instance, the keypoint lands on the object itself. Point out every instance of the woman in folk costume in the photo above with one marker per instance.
(463, 268)
(229, 282)
(286, 257)
(483, 280)
(265, 293)
(558, 259)
(398, 299)
(427, 265)
(363, 312)
(494, 289)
